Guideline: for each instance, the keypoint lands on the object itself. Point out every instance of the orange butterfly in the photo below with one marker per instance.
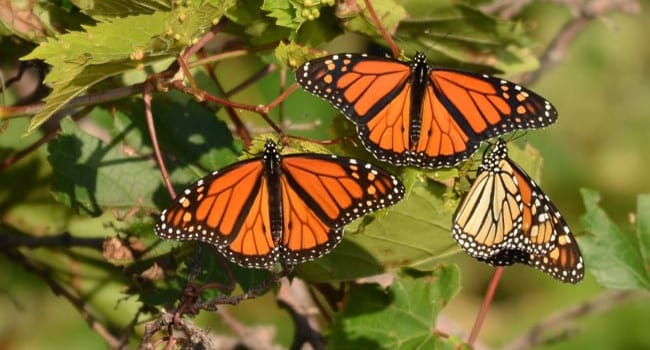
(290, 208)
(413, 114)
(506, 218)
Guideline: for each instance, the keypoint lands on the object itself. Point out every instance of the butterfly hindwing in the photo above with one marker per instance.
(253, 244)
(322, 193)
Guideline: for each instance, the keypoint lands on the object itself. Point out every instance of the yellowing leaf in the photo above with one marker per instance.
(81, 59)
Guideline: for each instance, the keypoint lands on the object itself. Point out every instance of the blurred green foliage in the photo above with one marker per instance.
(97, 178)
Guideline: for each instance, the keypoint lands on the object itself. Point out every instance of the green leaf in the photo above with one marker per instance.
(253, 25)
(291, 54)
(286, 13)
(335, 266)
(618, 259)
(462, 36)
(356, 18)
(293, 13)
(90, 175)
(81, 59)
(121, 8)
(189, 134)
(415, 232)
(401, 317)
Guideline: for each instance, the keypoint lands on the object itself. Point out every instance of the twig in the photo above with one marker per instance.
(240, 127)
(487, 300)
(146, 97)
(192, 333)
(562, 320)
(204, 39)
(58, 289)
(232, 54)
(62, 240)
(280, 98)
(306, 331)
(253, 292)
(283, 85)
(389, 40)
(49, 136)
(266, 70)
(506, 8)
(128, 330)
(586, 12)
(79, 101)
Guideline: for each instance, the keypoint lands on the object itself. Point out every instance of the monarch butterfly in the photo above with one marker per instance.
(290, 208)
(419, 115)
(506, 218)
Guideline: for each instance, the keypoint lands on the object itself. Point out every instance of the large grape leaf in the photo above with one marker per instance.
(617, 258)
(90, 175)
(400, 317)
(81, 59)
(460, 35)
(121, 8)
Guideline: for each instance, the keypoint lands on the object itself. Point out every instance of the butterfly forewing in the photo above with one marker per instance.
(344, 80)
(209, 210)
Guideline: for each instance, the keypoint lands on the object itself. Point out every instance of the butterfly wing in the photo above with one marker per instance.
(507, 218)
(323, 193)
(374, 93)
(487, 106)
(563, 262)
(457, 109)
(211, 211)
(489, 216)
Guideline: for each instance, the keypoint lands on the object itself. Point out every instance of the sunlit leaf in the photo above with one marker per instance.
(356, 17)
(617, 258)
(400, 317)
(81, 59)
(90, 175)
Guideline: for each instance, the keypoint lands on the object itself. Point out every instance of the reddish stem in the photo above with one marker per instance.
(486, 305)
(389, 40)
(146, 96)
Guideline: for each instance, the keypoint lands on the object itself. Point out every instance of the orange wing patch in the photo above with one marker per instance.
(323, 193)
(389, 128)
(440, 134)
(209, 210)
(305, 235)
(491, 106)
(253, 245)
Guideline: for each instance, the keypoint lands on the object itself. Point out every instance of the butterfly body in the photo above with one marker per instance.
(272, 173)
(419, 82)
(506, 218)
(278, 208)
(415, 114)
